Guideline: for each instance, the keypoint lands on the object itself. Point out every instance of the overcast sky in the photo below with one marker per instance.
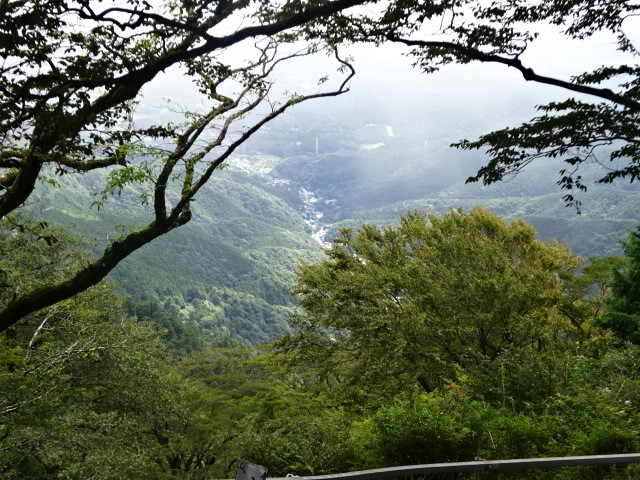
(386, 80)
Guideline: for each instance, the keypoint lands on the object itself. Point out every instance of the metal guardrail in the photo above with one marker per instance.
(247, 472)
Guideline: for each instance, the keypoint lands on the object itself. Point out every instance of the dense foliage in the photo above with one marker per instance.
(622, 307)
(461, 337)
(442, 339)
(90, 395)
(414, 304)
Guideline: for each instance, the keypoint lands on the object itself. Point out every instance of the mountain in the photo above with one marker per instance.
(386, 169)
(230, 269)
(285, 193)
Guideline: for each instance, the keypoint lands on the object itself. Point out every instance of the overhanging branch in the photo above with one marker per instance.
(126, 87)
(527, 73)
(179, 215)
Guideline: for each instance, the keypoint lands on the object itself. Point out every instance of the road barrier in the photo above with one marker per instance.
(249, 471)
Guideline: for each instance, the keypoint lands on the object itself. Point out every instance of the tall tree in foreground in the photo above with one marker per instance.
(86, 391)
(418, 303)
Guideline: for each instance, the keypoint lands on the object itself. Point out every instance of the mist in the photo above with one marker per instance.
(387, 141)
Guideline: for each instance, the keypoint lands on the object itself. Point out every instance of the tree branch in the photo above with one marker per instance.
(527, 73)
(126, 87)
(180, 214)
(343, 88)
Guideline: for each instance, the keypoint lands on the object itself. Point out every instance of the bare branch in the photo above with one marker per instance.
(180, 214)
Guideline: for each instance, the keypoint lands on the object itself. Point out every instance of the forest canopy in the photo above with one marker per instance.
(417, 303)
(442, 339)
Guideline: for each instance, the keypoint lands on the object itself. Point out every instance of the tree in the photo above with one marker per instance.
(95, 394)
(599, 123)
(75, 71)
(86, 389)
(78, 395)
(622, 305)
(587, 291)
(180, 337)
(419, 303)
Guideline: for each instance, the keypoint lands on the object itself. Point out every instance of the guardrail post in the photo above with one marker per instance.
(251, 471)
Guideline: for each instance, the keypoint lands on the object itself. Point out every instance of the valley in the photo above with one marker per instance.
(281, 200)
(240, 233)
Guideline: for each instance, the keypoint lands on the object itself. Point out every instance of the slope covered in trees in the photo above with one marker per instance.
(230, 269)
(75, 81)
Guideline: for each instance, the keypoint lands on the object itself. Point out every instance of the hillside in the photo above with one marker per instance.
(290, 188)
(229, 270)
(385, 170)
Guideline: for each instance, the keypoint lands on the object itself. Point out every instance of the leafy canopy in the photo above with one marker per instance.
(414, 304)
(622, 305)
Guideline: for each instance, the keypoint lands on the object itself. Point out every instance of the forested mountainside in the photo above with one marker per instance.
(231, 268)
(367, 169)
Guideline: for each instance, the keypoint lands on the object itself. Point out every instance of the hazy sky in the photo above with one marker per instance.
(473, 98)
